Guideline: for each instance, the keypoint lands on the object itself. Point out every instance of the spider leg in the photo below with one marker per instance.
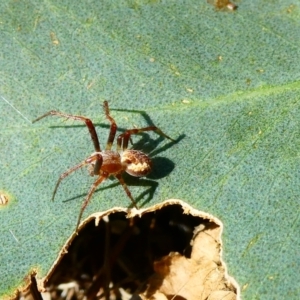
(121, 180)
(88, 197)
(123, 139)
(95, 157)
(87, 121)
(113, 126)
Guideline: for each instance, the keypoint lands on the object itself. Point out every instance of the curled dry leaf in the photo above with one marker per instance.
(202, 276)
(167, 251)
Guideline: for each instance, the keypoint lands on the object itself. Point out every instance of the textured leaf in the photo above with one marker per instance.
(224, 84)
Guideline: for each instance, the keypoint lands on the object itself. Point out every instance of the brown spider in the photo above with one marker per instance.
(108, 162)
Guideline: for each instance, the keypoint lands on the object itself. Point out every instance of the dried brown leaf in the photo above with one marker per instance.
(203, 276)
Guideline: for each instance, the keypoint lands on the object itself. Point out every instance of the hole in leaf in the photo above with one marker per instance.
(169, 251)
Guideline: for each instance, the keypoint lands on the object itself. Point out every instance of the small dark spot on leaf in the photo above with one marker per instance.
(223, 4)
(4, 198)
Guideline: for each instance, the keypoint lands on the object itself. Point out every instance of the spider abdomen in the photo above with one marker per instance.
(136, 163)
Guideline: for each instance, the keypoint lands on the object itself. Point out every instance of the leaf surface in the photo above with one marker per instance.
(225, 85)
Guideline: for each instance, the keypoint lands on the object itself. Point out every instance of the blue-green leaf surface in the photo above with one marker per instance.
(224, 84)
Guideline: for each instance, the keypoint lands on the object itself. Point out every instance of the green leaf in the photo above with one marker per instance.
(225, 84)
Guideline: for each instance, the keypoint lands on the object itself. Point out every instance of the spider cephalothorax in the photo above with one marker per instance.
(105, 163)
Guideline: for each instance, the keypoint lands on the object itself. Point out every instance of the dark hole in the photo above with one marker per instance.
(119, 254)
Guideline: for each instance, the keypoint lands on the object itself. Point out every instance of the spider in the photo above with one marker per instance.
(106, 163)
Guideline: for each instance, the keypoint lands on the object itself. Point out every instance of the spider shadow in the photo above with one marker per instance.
(161, 168)
(145, 196)
(130, 181)
(147, 144)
